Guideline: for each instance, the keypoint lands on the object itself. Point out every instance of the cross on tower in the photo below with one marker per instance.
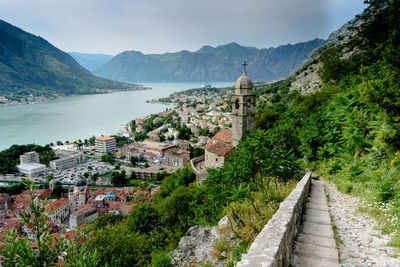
(244, 66)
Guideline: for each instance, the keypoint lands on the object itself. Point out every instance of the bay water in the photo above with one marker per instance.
(82, 116)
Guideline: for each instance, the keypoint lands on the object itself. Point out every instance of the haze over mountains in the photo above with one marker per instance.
(90, 62)
(31, 65)
(222, 63)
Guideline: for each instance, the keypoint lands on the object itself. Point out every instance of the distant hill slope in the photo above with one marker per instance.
(306, 77)
(222, 63)
(31, 65)
(91, 62)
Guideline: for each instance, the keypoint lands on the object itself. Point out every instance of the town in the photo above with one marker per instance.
(147, 150)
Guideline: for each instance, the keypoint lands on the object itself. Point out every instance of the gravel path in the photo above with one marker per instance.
(363, 243)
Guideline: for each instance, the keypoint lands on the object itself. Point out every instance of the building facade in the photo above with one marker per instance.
(175, 160)
(58, 211)
(84, 215)
(105, 144)
(67, 160)
(31, 169)
(218, 149)
(29, 157)
(78, 195)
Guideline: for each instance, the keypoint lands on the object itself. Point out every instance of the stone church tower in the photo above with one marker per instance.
(243, 107)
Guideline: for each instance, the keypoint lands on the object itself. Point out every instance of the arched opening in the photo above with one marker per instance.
(237, 104)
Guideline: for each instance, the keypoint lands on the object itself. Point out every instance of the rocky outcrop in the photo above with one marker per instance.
(199, 245)
(306, 77)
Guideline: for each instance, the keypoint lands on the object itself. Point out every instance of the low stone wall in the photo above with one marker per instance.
(194, 161)
(273, 245)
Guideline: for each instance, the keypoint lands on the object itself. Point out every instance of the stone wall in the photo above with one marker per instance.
(273, 245)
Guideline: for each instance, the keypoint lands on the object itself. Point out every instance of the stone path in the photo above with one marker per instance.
(315, 244)
(362, 242)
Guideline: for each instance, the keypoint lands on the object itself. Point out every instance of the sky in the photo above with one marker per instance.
(159, 26)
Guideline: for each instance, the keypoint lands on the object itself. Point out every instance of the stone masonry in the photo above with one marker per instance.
(315, 245)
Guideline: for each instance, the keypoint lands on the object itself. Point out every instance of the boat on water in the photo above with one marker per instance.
(207, 85)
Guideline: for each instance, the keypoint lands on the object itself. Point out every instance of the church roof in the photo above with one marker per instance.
(244, 82)
(221, 149)
(81, 182)
(224, 135)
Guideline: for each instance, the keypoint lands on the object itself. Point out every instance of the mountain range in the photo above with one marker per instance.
(31, 65)
(208, 64)
(90, 62)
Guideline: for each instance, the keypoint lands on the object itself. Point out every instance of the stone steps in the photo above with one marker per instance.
(315, 244)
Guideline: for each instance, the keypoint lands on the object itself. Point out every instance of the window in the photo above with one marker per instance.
(216, 159)
(237, 104)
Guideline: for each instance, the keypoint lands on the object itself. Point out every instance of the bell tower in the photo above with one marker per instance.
(243, 107)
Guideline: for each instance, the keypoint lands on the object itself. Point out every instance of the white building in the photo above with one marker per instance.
(105, 144)
(29, 157)
(31, 169)
(67, 160)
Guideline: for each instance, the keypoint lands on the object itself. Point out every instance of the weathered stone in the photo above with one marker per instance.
(312, 262)
(274, 245)
(317, 206)
(197, 246)
(316, 240)
(317, 219)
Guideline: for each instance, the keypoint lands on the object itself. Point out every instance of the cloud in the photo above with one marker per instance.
(156, 26)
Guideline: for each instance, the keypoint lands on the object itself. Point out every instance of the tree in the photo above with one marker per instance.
(118, 178)
(58, 190)
(108, 158)
(184, 132)
(143, 218)
(94, 177)
(133, 160)
(146, 164)
(49, 177)
(92, 140)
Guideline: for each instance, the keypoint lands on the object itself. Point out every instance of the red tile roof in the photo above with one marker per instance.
(224, 135)
(45, 194)
(221, 149)
(56, 205)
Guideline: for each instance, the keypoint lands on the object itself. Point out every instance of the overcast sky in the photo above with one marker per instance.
(158, 26)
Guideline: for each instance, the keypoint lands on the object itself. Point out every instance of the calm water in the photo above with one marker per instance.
(80, 117)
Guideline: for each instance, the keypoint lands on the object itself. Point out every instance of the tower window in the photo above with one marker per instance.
(237, 104)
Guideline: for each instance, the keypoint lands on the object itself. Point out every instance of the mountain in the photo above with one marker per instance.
(91, 62)
(31, 65)
(222, 63)
(306, 77)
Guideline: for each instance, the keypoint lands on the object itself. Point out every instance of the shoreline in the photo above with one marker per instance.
(56, 96)
(123, 128)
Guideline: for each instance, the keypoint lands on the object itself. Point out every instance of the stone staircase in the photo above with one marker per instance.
(315, 244)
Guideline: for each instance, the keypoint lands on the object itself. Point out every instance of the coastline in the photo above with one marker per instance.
(84, 116)
(41, 99)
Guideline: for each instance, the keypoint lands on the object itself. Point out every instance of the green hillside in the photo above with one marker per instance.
(31, 65)
(348, 132)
